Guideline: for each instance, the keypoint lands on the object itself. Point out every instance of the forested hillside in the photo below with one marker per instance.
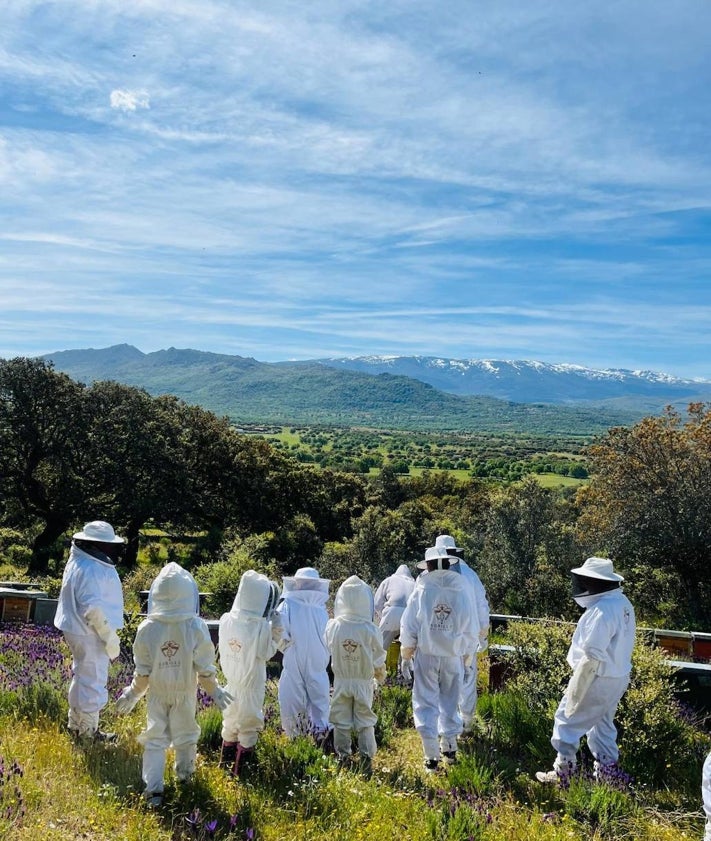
(71, 452)
(248, 391)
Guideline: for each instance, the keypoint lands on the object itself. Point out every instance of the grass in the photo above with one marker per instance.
(62, 790)
(554, 480)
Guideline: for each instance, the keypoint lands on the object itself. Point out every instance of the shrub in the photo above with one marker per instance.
(220, 580)
(660, 742)
(393, 706)
(600, 806)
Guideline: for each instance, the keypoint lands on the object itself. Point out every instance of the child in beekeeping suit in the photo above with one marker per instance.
(357, 656)
(172, 653)
(246, 641)
(304, 686)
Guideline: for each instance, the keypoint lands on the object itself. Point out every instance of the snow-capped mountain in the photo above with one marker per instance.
(528, 381)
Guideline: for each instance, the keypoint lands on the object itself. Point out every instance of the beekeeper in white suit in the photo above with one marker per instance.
(246, 641)
(438, 631)
(303, 685)
(390, 600)
(468, 693)
(357, 657)
(89, 614)
(172, 653)
(600, 656)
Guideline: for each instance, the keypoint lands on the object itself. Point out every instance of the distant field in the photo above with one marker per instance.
(555, 462)
(553, 480)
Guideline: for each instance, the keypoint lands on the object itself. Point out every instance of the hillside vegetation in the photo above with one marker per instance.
(309, 393)
(70, 453)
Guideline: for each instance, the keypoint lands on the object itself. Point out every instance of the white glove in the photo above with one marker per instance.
(580, 682)
(483, 643)
(219, 694)
(408, 652)
(406, 670)
(284, 643)
(96, 619)
(132, 694)
(381, 673)
(222, 698)
(468, 659)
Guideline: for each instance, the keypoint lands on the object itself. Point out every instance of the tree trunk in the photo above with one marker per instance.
(130, 557)
(45, 546)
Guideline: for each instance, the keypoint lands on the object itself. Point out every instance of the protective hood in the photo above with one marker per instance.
(589, 600)
(404, 571)
(173, 594)
(354, 600)
(306, 578)
(583, 585)
(256, 595)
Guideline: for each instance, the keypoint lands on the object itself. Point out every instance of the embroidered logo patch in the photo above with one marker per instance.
(442, 612)
(235, 645)
(170, 649)
(350, 646)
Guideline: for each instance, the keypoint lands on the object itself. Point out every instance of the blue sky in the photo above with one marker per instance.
(289, 180)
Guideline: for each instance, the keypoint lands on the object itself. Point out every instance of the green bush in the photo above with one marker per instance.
(537, 665)
(602, 807)
(660, 740)
(519, 730)
(393, 706)
(136, 580)
(220, 580)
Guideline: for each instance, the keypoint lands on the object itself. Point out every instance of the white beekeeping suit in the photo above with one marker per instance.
(172, 653)
(468, 693)
(390, 600)
(706, 795)
(89, 613)
(303, 686)
(600, 656)
(438, 629)
(357, 656)
(245, 644)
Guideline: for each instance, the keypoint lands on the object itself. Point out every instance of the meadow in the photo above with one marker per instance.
(53, 788)
(554, 460)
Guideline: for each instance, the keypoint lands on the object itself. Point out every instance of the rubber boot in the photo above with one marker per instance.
(325, 742)
(244, 760)
(228, 755)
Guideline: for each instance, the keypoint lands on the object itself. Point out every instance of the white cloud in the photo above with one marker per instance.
(129, 100)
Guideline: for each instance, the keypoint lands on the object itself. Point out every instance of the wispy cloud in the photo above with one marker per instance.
(503, 179)
(129, 100)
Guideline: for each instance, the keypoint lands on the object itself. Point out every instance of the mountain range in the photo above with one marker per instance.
(533, 382)
(391, 392)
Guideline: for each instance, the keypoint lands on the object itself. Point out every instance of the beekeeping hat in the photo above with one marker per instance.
(98, 532)
(435, 553)
(450, 545)
(595, 576)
